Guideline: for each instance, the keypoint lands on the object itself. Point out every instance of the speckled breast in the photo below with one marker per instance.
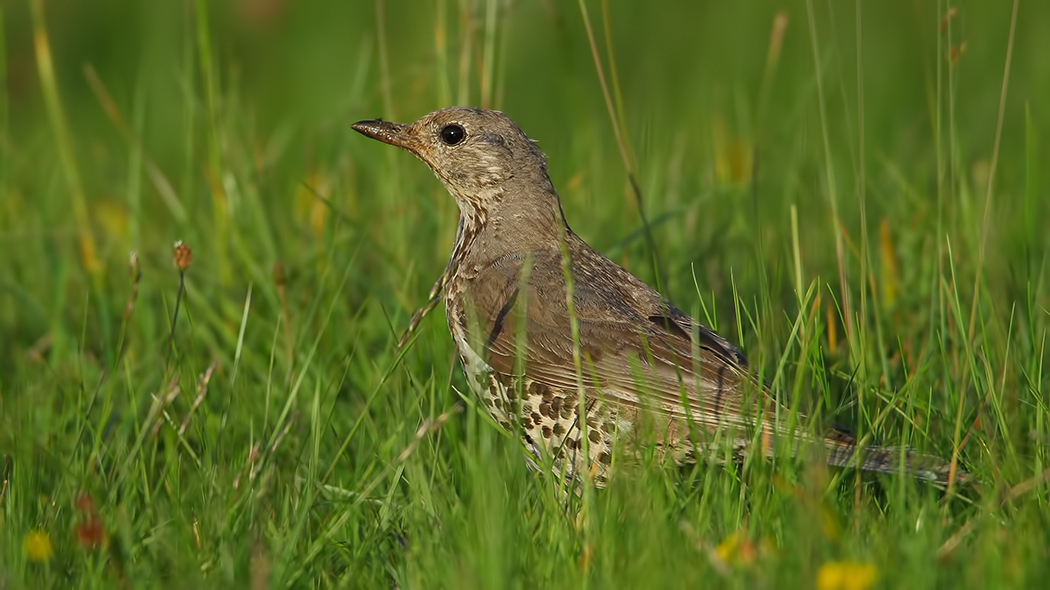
(547, 419)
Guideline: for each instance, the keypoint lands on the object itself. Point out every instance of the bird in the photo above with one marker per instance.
(572, 352)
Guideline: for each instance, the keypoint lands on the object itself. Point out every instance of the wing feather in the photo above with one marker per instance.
(637, 350)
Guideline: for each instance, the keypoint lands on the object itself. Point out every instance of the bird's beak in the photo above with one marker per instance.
(397, 134)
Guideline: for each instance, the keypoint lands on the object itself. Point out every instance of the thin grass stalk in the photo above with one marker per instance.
(4, 117)
(216, 165)
(64, 142)
(991, 172)
(621, 142)
(847, 316)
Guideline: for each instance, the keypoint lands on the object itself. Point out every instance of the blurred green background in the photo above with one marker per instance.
(226, 125)
(285, 79)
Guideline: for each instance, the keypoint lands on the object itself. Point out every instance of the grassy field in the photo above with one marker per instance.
(853, 192)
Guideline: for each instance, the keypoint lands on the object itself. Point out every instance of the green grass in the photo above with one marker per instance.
(846, 204)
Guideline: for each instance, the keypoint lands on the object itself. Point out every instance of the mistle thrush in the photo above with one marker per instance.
(635, 367)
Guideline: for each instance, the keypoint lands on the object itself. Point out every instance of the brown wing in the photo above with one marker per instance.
(637, 349)
(640, 352)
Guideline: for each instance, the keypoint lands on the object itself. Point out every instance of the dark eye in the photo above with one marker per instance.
(452, 134)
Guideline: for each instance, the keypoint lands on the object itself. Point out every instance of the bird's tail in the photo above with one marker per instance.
(843, 451)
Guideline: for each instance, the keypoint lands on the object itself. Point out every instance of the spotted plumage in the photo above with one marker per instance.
(565, 347)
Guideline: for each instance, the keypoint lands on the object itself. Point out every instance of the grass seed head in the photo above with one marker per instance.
(182, 257)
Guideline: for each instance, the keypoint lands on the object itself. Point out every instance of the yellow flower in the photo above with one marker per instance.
(37, 546)
(733, 156)
(727, 548)
(846, 575)
(736, 549)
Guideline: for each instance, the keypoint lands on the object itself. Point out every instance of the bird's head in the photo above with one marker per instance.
(481, 156)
